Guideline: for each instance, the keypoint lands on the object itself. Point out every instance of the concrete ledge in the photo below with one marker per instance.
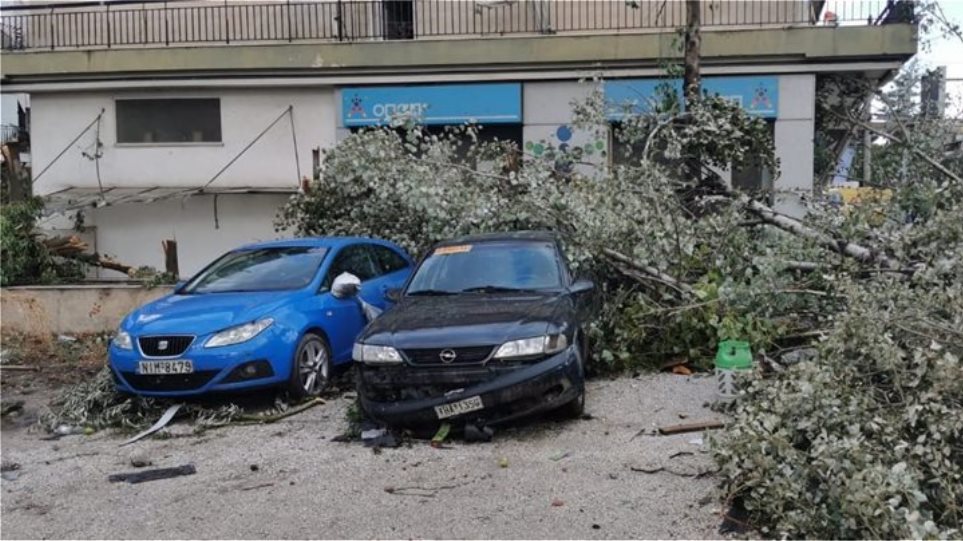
(790, 44)
(68, 309)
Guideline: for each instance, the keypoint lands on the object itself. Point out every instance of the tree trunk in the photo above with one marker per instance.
(692, 78)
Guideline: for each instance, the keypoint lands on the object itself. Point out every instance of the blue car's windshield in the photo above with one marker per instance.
(488, 267)
(260, 269)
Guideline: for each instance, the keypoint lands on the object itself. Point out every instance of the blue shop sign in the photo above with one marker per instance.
(757, 95)
(496, 103)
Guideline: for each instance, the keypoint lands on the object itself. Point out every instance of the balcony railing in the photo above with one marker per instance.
(154, 23)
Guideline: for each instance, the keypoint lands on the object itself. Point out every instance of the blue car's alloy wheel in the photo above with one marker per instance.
(312, 365)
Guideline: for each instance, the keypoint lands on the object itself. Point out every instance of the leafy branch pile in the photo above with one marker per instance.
(863, 440)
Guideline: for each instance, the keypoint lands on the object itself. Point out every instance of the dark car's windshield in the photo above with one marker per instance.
(487, 267)
(260, 269)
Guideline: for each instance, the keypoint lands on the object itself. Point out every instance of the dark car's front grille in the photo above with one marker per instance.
(164, 346)
(169, 382)
(443, 356)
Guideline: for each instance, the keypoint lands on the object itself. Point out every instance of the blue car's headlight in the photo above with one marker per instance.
(122, 340)
(239, 334)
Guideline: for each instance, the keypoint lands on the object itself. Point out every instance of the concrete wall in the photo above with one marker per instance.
(133, 232)
(547, 108)
(58, 118)
(795, 131)
(44, 310)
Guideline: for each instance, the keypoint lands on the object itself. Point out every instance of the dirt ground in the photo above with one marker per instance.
(607, 476)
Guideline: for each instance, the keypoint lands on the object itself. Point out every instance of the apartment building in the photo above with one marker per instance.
(196, 120)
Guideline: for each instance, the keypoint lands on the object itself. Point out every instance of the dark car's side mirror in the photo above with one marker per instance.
(393, 294)
(345, 285)
(178, 286)
(581, 286)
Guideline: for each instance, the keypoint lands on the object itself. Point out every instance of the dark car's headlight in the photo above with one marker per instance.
(368, 354)
(239, 334)
(530, 347)
(122, 340)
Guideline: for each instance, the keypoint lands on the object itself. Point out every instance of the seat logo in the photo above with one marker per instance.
(447, 356)
(162, 345)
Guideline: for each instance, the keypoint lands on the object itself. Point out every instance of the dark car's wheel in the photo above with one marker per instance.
(573, 409)
(311, 367)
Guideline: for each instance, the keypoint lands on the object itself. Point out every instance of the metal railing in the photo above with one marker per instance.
(153, 23)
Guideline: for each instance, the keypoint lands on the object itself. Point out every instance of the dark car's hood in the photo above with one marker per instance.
(465, 320)
(202, 314)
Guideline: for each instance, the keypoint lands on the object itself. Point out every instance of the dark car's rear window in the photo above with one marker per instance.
(510, 265)
(260, 269)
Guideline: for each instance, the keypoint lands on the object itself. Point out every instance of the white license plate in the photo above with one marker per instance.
(163, 368)
(462, 406)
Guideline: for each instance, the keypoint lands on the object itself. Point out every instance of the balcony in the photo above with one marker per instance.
(180, 23)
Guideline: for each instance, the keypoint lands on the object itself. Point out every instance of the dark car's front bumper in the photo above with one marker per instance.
(406, 396)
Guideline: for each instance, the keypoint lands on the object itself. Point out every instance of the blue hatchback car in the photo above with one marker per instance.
(267, 314)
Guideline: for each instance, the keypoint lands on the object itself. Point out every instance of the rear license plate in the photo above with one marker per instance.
(163, 368)
(462, 406)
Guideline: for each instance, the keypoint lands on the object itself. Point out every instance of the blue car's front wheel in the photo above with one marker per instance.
(311, 366)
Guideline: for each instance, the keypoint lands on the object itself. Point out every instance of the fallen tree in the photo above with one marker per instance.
(683, 262)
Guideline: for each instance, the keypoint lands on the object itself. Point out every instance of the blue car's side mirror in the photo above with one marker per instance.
(179, 285)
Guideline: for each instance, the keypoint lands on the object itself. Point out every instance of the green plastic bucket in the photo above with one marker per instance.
(733, 356)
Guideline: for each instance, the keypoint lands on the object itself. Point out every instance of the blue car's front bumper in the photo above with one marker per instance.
(214, 368)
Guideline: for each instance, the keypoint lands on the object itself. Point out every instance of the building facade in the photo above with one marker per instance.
(196, 120)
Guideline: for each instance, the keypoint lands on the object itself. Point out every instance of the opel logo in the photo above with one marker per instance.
(447, 356)
(162, 345)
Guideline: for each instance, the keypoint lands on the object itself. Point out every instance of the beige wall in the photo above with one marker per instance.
(45, 310)
(58, 117)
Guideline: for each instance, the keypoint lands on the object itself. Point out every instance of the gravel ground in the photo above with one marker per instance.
(307, 486)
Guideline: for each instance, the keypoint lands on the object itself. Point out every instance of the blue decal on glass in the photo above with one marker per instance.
(757, 95)
(496, 103)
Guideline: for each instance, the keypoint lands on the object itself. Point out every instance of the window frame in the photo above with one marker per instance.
(134, 144)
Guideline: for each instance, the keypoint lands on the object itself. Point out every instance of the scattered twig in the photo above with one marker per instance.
(19, 368)
(152, 475)
(277, 417)
(255, 487)
(690, 427)
(427, 492)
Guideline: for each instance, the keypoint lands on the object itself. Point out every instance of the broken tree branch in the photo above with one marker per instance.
(650, 272)
(791, 225)
(923, 156)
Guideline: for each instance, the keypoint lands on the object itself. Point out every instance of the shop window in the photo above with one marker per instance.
(169, 120)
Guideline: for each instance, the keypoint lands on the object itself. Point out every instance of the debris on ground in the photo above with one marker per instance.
(682, 370)
(560, 455)
(8, 465)
(11, 475)
(161, 423)
(690, 427)
(152, 475)
(95, 403)
(473, 433)
(502, 462)
(439, 438)
(557, 503)
(140, 460)
(255, 487)
(11, 407)
(379, 437)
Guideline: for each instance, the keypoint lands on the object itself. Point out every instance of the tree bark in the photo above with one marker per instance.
(791, 225)
(692, 78)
